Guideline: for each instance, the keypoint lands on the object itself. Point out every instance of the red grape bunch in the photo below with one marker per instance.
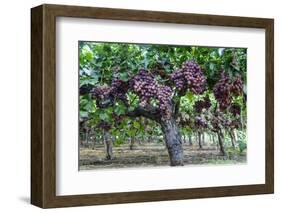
(217, 121)
(222, 91)
(144, 85)
(117, 119)
(202, 104)
(85, 89)
(147, 88)
(200, 122)
(119, 89)
(225, 88)
(235, 124)
(104, 125)
(235, 109)
(231, 123)
(237, 86)
(105, 95)
(191, 77)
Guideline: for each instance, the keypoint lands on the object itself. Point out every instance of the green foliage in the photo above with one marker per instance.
(242, 145)
(100, 62)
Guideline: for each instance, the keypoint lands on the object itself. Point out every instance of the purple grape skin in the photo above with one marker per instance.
(202, 104)
(191, 77)
(225, 88)
(146, 87)
(117, 90)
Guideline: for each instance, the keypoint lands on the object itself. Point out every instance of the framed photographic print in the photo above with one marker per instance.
(136, 106)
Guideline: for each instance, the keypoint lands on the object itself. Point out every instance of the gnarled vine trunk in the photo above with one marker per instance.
(132, 143)
(203, 138)
(199, 140)
(221, 141)
(108, 146)
(183, 138)
(173, 141)
(189, 140)
(170, 131)
(232, 138)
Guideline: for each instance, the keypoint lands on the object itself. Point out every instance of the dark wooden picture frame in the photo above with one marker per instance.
(43, 105)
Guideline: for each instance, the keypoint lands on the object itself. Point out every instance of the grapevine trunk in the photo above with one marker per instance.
(232, 137)
(173, 141)
(190, 140)
(221, 141)
(132, 143)
(108, 146)
(199, 140)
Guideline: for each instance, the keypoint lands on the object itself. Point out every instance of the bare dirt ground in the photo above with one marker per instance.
(151, 155)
